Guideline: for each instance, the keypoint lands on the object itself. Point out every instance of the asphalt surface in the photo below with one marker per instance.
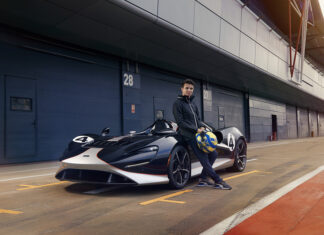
(32, 201)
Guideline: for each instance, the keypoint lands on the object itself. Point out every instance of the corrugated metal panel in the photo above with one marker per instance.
(274, 43)
(207, 24)
(261, 57)
(303, 128)
(291, 121)
(263, 34)
(247, 49)
(261, 122)
(230, 38)
(313, 123)
(321, 124)
(179, 13)
(272, 63)
(150, 6)
(226, 109)
(249, 23)
(73, 97)
(2, 91)
(215, 6)
(231, 12)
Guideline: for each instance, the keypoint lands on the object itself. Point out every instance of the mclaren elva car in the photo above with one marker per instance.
(157, 155)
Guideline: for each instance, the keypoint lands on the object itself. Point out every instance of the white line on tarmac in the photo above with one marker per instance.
(276, 144)
(30, 176)
(252, 159)
(35, 169)
(247, 212)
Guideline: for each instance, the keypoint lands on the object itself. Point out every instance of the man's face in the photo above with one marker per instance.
(187, 89)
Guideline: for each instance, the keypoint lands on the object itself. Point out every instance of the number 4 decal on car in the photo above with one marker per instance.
(83, 139)
(231, 141)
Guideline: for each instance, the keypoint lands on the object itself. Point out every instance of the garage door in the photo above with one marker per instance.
(313, 123)
(321, 124)
(291, 121)
(224, 108)
(155, 92)
(20, 121)
(303, 130)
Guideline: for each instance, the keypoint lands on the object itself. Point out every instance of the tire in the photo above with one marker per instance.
(179, 168)
(240, 156)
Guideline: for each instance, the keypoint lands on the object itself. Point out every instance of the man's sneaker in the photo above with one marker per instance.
(222, 185)
(204, 183)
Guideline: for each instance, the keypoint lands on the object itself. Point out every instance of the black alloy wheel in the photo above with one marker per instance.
(179, 169)
(240, 156)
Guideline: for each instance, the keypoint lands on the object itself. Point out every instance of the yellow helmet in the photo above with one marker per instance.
(206, 141)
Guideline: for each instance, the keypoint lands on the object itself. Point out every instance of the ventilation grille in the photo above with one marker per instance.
(91, 176)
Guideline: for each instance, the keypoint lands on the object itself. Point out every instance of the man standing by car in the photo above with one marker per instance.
(186, 115)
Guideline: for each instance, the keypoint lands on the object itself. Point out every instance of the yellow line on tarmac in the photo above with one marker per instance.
(172, 201)
(3, 211)
(164, 198)
(161, 199)
(27, 186)
(247, 173)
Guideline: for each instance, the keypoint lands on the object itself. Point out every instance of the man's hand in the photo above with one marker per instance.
(201, 129)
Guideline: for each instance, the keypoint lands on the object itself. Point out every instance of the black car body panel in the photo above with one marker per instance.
(137, 158)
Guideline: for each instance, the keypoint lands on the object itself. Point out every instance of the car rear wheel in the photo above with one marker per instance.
(179, 168)
(240, 156)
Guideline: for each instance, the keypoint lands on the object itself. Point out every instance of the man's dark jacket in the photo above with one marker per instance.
(186, 114)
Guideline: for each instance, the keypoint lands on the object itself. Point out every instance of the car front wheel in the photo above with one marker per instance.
(179, 168)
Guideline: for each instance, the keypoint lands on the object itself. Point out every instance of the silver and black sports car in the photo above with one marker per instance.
(157, 155)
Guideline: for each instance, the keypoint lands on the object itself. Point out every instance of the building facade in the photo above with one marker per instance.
(116, 63)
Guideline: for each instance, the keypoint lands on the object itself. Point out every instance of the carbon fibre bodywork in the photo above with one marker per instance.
(138, 158)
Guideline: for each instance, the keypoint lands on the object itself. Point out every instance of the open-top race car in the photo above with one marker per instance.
(157, 155)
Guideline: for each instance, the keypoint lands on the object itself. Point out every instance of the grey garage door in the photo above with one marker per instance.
(313, 123)
(303, 126)
(155, 92)
(20, 121)
(291, 121)
(224, 108)
(321, 124)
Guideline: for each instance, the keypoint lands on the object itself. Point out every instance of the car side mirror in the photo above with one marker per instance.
(105, 131)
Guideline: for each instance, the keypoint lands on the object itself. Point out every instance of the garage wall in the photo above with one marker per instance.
(303, 126)
(313, 125)
(233, 27)
(321, 124)
(2, 115)
(74, 95)
(291, 122)
(160, 90)
(223, 108)
(80, 99)
(261, 122)
(157, 91)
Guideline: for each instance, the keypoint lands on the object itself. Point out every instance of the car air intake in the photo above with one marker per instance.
(91, 176)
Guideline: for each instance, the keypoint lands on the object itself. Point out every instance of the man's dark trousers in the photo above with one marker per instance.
(206, 160)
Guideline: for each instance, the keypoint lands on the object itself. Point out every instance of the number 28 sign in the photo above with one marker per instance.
(131, 80)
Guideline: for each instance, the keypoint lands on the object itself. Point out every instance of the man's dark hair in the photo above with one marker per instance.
(187, 81)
